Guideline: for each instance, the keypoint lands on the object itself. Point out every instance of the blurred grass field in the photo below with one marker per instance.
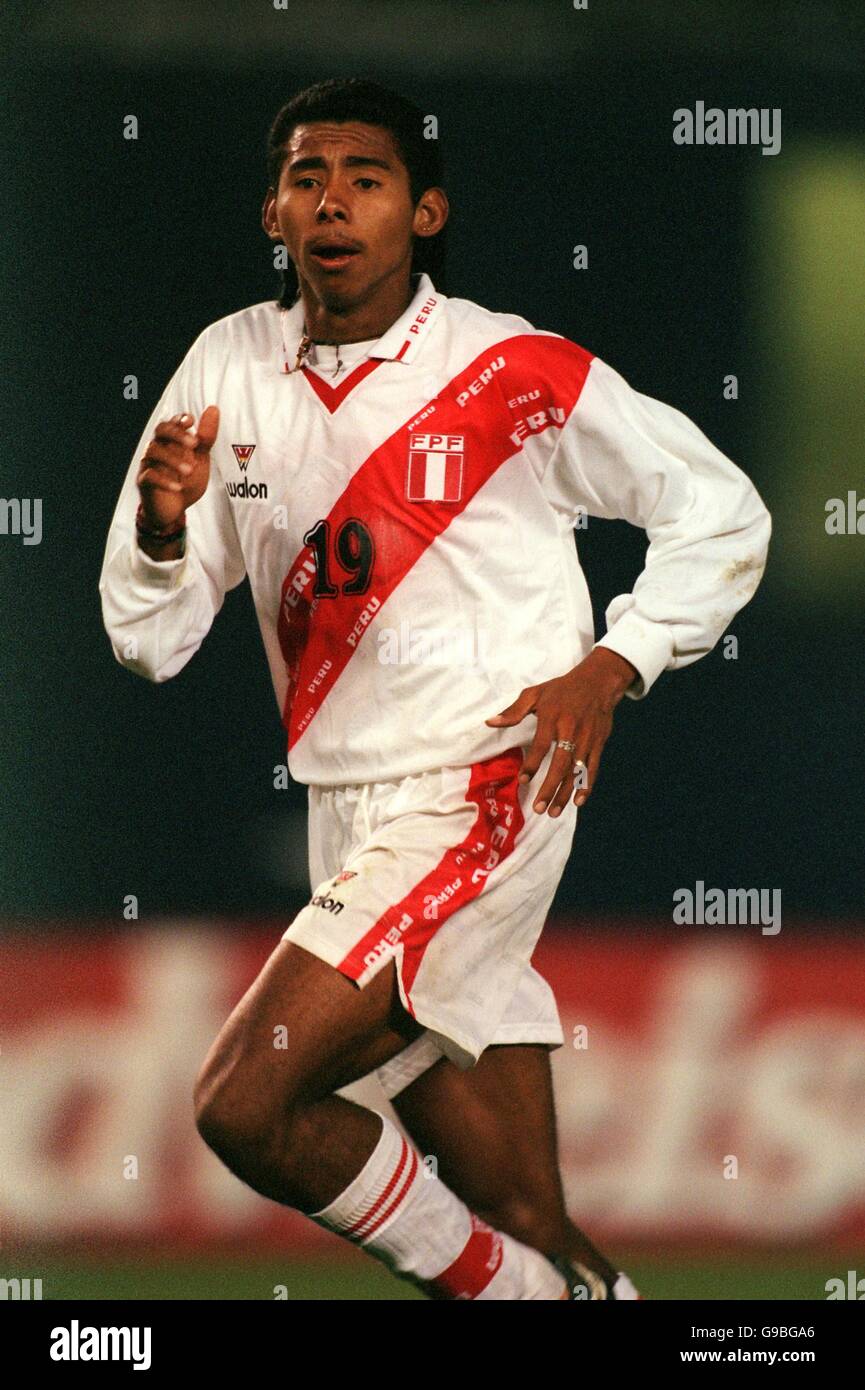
(358, 1278)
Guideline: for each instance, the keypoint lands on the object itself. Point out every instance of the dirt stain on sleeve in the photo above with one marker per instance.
(738, 568)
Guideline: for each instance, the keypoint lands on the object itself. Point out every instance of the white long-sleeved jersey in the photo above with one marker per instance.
(407, 527)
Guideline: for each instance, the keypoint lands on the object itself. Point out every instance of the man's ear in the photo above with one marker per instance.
(431, 212)
(268, 218)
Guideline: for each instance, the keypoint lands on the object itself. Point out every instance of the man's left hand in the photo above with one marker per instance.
(578, 709)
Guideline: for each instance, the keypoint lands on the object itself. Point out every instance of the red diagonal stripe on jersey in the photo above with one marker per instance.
(457, 878)
(318, 637)
(473, 1268)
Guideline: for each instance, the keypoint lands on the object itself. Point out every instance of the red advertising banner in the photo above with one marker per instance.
(706, 1091)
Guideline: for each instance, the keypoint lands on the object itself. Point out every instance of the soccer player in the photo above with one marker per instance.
(400, 473)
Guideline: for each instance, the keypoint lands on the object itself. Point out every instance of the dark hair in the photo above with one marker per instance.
(357, 99)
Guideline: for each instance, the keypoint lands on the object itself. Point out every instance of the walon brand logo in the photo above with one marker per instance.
(243, 453)
(327, 902)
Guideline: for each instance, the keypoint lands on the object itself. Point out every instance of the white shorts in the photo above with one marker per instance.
(451, 874)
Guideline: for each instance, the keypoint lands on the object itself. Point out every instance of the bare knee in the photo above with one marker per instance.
(228, 1116)
(252, 1084)
(239, 1117)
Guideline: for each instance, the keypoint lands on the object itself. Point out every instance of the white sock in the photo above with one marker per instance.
(421, 1230)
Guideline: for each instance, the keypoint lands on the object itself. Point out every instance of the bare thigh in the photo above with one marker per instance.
(302, 1031)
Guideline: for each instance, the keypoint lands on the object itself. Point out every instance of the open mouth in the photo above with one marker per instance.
(333, 254)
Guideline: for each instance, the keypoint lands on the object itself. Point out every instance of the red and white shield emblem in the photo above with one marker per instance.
(435, 467)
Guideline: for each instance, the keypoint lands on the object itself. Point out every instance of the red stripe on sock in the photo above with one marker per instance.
(473, 1269)
(355, 1230)
(398, 1198)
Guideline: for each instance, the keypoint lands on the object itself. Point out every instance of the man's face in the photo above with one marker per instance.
(343, 209)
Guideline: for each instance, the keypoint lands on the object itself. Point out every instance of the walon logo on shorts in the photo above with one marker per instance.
(243, 453)
(327, 902)
(435, 467)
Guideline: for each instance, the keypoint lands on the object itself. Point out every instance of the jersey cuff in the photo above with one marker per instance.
(156, 574)
(647, 645)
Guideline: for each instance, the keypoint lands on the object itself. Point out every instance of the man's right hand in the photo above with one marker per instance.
(176, 467)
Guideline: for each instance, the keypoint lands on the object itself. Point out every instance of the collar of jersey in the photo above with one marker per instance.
(401, 342)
